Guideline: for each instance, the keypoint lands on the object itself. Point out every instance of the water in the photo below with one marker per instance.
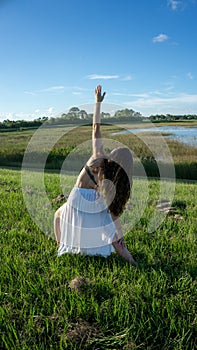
(187, 135)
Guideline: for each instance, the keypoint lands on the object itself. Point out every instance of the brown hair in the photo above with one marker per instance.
(112, 171)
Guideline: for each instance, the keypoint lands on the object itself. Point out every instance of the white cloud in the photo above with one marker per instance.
(101, 76)
(160, 38)
(181, 98)
(8, 115)
(53, 88)
(108, 77)
(190, 76)
(50, 110)
(21, 115)
(182, 103)
(49, 89)
(129, 95)
(76, 93)
(30, 93)
(169, 88)
(82, 89)
(174, 4)
(128, 77)
(17, 116)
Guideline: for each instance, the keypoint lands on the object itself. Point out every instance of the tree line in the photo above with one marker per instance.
(21, 124)
(170, 117)
(78, 116)
(75, 115)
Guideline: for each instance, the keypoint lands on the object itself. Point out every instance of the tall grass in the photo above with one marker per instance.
(184, 157)
(153, 307)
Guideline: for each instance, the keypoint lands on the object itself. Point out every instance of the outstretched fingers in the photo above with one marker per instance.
(98, 94)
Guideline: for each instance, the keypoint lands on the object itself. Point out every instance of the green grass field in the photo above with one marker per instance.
(67, 138)
(115, 306)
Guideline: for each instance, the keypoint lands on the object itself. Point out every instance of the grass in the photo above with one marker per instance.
(58, 142)
(78, 302)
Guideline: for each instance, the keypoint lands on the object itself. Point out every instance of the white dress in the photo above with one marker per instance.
(86, 225)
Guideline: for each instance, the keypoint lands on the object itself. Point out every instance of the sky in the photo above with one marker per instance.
(54, 53)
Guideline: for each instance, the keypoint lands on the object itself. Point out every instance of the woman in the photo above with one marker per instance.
(88, 223)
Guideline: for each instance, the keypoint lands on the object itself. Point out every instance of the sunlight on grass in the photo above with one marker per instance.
(117, 307)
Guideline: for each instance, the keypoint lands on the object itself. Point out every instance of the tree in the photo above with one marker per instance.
(74, 110)
(105, 115)
(82, 114)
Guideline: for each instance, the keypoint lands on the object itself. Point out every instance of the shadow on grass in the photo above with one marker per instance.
(84, 263)
(169, 268)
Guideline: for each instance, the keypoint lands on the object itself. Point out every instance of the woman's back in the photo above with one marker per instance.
(88, 177)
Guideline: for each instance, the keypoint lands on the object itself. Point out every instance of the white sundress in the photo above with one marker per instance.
(86, 225)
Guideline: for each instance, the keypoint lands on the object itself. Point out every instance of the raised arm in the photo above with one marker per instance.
(97, 144)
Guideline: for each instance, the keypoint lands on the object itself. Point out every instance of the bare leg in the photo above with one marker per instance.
(122, 250)
(57, 226)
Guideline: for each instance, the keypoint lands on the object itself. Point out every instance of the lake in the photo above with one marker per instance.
(187, 135)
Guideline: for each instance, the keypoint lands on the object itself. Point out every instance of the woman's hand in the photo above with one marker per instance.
(98, 95)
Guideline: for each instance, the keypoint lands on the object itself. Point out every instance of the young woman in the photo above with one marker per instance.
(88, 223)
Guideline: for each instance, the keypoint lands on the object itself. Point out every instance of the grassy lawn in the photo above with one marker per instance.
(110, 305)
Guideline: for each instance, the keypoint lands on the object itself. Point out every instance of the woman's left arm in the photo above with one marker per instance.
(97, 143)
(119, 234)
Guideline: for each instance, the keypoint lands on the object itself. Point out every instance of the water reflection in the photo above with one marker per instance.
(187, 135)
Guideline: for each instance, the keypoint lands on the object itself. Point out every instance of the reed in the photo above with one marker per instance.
(71, 139)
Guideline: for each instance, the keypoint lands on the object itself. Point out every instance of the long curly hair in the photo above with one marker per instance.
(110, 170)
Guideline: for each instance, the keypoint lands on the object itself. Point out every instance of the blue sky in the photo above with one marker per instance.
(54, 52)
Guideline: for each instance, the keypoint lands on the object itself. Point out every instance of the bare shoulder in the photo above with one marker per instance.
(95, 161)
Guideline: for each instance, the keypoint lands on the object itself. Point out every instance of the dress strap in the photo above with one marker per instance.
(91, 176)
